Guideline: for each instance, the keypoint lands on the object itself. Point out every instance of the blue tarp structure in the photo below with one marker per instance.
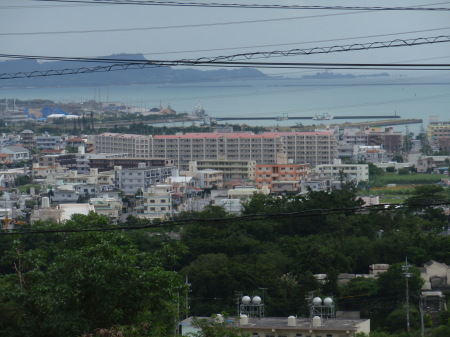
(43, 113)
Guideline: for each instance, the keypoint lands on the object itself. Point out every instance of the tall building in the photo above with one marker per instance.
(156, 202)
(48, 142)
(390, 140)
(133, 145)
(315, 148)
(133, 180)
(231, 169)
(27, 139)
(439, 134)
(269, 174)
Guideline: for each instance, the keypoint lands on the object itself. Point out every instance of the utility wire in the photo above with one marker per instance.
(293, 43)
(174, 26)
(259, 65)
(242, 218)
(233, 60)
(254, 55)
(253, 6)
(209, 25)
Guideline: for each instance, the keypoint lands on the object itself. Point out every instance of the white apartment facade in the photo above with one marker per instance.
(231, 169)
(130, 181)
(156, 202)
(315, 148)
(359, 172)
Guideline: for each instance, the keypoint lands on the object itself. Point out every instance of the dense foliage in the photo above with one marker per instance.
(132, 282)
(75, 283)
(304, 238)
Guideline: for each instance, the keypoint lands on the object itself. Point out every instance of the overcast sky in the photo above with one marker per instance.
(223, 31)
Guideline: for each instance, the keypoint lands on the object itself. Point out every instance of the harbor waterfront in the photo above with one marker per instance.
(262, 103)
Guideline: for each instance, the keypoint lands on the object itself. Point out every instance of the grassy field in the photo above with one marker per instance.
(404, 186)
(407, 179)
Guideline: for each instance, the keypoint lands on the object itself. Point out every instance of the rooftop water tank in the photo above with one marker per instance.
(243, 320)
(256, 300)
(246, 299)
(317, 322)
(45, 202)
(317, 301)
(292, 321)
(328, 301)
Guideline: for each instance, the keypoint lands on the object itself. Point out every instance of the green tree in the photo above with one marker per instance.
(428, 199)
(23, 180)
(83, 282)
(442, 331)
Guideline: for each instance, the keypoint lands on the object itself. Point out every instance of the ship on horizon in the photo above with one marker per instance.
(323, 117)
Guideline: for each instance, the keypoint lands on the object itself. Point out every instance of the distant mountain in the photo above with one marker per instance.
(146, 75)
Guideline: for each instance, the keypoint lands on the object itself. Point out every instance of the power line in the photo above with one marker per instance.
(242, 218)
(251, 6)
(260, 65)
(293, 43)
(255, 55)
(174, 26)
(233, 60)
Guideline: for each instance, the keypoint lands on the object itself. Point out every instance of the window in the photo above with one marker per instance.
(152, 201)
(163, 208)
(152, 208)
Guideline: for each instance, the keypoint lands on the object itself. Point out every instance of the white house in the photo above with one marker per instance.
(17, 152)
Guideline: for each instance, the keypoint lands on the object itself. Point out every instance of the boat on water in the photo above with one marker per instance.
(323, 117)
(284, 117)
(199, 112)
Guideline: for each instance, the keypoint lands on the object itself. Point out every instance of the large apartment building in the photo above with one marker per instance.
(439, 134)
(315, 148)
(390, 140)
(231, 169)
(133, 145)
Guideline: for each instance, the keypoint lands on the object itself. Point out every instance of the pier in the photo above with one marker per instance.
(313, 118)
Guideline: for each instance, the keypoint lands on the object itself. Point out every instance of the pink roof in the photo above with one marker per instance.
(121, 135)
(313, 133)
(190, 136)
(211, 135)
(214, 135)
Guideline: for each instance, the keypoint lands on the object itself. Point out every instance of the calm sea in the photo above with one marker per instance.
(408, 98)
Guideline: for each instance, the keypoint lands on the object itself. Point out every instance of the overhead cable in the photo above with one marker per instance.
(254, 55)
(241, 218)
(252, 6)
(115, 64)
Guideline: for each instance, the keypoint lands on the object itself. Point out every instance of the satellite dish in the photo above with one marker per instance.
(246, 299)
(328, 301)
(256, 300)
(317, 301)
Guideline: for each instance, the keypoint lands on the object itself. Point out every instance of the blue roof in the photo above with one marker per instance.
(43, 113)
